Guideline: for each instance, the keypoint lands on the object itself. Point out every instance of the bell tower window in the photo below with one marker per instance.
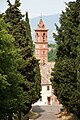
(43, 37)
(43, 52)
(37, 36)
(37, 52)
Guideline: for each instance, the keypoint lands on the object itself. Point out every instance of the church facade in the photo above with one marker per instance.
(41, 53)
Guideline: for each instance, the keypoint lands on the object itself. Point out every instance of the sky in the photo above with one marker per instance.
(38, 7)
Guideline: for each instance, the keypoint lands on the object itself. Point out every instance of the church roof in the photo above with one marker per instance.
(41, 25)
(46, 73)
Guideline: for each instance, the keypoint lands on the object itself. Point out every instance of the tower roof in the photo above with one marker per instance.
(41, 24)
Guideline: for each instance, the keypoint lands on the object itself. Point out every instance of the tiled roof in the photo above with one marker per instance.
(46, 72)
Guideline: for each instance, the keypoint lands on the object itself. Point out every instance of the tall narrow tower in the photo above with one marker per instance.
(41, 42)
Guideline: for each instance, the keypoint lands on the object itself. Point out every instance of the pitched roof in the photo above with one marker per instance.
(46, 72)
(41, 24)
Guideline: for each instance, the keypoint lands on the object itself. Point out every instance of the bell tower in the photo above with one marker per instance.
(41, 42)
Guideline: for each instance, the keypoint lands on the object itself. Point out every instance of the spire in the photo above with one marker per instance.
(41, 24)
(41, 16)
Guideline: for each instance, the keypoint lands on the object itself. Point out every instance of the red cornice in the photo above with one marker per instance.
(41, 48)
(41, 30)
(41, 42)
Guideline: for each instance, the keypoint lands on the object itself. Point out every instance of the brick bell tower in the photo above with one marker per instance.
(41, 42)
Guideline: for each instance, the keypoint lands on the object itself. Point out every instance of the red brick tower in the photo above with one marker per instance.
(41, 42)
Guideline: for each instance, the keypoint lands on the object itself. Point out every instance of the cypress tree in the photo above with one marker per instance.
(20, 29)
(12, 95)
(66, 82)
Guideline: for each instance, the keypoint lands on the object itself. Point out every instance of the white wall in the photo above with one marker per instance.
(45, 94)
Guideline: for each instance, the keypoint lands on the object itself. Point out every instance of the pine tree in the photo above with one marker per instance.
(20, 29)
(65, 82)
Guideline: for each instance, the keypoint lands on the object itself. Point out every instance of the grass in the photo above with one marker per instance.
(33, 115)
(64, 115)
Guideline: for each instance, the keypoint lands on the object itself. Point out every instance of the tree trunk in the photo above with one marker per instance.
(10, 117)
(19, 116)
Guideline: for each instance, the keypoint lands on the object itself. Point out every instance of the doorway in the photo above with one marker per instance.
(48, 99)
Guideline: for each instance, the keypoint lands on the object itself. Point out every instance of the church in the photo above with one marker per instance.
(41, 53)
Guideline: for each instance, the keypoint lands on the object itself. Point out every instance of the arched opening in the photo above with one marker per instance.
(43, 52)
(37, 36)
(43, 37)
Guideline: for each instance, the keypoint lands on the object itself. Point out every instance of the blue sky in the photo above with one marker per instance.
(38, 7)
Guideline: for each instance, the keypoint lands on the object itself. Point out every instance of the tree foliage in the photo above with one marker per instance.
(52, 52)
(12, 96)
(66, 73)
(20, 29)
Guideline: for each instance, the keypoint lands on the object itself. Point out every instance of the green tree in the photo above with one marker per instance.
(52, 52)
(20, 29)
(12, 96)
(66, 80)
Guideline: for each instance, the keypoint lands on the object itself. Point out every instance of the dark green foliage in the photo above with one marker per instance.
(28, 29)
(52, 52)
(77, 0)
(12, 96)
(20, 29)
(52, 45)
(66, 73)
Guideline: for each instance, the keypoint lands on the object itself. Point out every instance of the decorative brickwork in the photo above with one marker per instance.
(41, 42)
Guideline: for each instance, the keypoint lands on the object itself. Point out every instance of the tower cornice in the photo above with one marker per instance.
(41, 29)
